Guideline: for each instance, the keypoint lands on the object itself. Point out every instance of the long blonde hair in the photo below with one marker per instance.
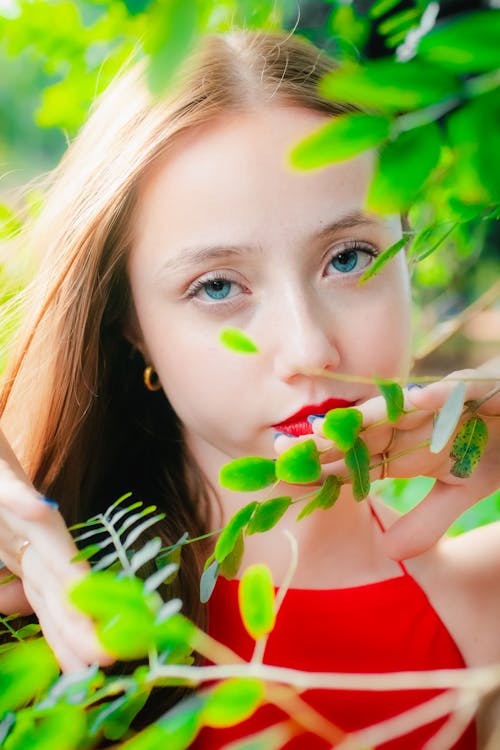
(73, 402)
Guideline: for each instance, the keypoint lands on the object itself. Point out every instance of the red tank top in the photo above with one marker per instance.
(388, 626)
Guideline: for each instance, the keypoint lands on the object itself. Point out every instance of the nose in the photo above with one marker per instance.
(305, 338)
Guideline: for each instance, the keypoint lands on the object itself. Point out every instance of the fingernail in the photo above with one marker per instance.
(312, 417)
(52, 503)
(278, 434)
(414, 385)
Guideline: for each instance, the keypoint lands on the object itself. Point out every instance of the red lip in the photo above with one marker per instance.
(297, 424)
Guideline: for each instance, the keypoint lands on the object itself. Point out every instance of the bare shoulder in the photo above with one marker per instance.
(461, 577)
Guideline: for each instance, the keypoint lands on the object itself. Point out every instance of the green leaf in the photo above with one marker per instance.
(389, 85)
(174, 633)
(248, 474)
(357, 460)
(176, 730)
(172, 33)
(381, 260)
(394, 398)
(236, 340)
(62, 727)
(468, 446)
(343, 427)
(26, 670)
(268, 514)
(208, 580)
(87, 552)
(231, 531)
(323, 499)
(429, 239)
(230, 566)
(403, 167)
(448, 418)
(466, 44)
(254, 14)
(256, 600)
(299, 464)
(114, 718)
(342, 138)
(381, 7)
(233, 701)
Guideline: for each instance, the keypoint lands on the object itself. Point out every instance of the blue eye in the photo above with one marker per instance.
(217, 288)
(353, 259)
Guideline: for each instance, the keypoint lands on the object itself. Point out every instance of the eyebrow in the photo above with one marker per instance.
(196, 256)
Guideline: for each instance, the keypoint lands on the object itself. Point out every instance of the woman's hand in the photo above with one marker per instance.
(404, 447)
(36, 546)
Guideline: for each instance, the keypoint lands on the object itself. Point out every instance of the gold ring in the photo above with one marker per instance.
(21, 550)
(385, 454)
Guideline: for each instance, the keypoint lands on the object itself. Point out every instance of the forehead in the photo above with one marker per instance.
(230, 180)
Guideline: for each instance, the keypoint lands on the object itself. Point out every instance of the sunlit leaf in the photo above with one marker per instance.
(176, 730)
(382, 259)
(26, 670)
(208, 581)
(255, 14)
(393, 397)
(256, 600)
(268, 514)
(380, 7)
(299, 464)
(323, 499)
(403, 167)
(467, 43)
(389, 85)
(448, 418)
(468, 446)
(248, 474)
(234, 339)
(114, 718)
(357, 460)
(147, 553)
(342, 138)
(429, 239)
(230, 533)
(87, 552)
(345, 24)
(230, 565)
(232, 701)
(59, 728)
(160, 576)
(343, 427)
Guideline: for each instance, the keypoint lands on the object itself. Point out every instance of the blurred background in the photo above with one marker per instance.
(56, 56)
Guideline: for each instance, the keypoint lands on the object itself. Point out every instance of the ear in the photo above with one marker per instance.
(133, 334)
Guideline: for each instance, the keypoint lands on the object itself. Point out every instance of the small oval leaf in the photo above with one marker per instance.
(384, 257)
(448, 418)
(248, 474)
(256, 600)
(234, 339)
(357, 460)
(393, 397)
(208, 581)
(231, 531)
(230, 566)
(232, 701)
(343, 427)
(299, 464)
(268, 514)
(468, 446)
(325, 498)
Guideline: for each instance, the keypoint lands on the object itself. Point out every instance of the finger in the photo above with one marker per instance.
(283, 442)
(420, 528)
(12, 597)
(20, 498)
(433, 396)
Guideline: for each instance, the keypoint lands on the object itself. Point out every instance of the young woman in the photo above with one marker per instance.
(168, 221)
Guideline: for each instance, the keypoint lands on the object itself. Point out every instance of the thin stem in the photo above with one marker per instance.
(122, 555)
(475, 405)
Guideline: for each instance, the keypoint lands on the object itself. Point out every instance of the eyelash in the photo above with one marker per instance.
(200, 284)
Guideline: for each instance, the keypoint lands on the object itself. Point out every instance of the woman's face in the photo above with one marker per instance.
(228, 235)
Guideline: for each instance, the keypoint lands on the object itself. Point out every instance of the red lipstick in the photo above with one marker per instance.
(297, 424)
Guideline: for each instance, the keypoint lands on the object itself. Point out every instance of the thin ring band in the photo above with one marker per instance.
(385, 454)
(21, 550)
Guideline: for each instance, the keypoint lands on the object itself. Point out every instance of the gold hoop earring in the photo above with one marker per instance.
(151, 379)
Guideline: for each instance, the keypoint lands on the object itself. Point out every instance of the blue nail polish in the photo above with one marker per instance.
(414, 385)
(2, 564)
(278, 434)
(52, 503)
(312, 417)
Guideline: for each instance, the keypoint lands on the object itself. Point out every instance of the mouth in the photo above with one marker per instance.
(298, 424)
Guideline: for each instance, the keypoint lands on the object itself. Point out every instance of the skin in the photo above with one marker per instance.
(228, 184)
